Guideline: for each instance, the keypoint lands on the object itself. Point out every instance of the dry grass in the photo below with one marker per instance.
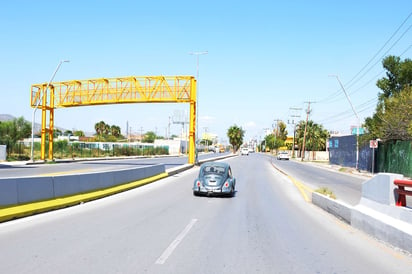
(327, 192)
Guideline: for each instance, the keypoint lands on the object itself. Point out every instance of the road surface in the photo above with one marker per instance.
(162, 228)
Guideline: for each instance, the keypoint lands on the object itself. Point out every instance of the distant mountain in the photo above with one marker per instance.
(6, 117)
(37, 126)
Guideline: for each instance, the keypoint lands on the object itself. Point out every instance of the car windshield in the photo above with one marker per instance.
(213, 170)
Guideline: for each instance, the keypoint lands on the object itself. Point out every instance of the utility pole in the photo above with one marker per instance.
(197, 54)
(357, 117)
(168, 130)
(265, 130)
(276, 132)
(180, 117)
(206, 138)
(293, 122)
(127, 131)
(304, 134)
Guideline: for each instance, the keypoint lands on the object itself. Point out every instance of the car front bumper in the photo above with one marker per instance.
(212, 190)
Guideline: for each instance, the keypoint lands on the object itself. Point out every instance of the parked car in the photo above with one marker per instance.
(215, 178)
(283, 155)
(244, 151)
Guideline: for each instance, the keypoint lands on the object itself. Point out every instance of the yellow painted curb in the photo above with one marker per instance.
(300, 186)
(19, 211)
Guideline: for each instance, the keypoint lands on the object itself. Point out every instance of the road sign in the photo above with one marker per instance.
(373, 143)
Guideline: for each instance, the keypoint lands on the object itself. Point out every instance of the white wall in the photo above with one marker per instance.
(3, 153)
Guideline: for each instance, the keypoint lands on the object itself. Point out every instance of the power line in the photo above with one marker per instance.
(371, 103)
(334, 97)
(382, 57)
(376, 54)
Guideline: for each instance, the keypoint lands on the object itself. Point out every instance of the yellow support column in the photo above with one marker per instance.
(51, 122)
(192, 122)
(43, 126)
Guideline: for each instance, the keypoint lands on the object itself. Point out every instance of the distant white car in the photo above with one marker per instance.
(283, 155)
(244, 151)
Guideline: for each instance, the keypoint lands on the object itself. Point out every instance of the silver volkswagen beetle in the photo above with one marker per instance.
(215, 178)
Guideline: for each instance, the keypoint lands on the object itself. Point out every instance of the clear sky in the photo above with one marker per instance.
(264, 58)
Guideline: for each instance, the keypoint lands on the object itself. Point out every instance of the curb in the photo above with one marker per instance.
(25, 210)
(383, 227)
(19, 211)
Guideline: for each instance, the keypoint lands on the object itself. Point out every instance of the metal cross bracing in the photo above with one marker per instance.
(122, 90)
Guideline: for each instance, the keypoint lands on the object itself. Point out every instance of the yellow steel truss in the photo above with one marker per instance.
(133, 89)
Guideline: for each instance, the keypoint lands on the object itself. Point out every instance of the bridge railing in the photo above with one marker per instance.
(401, 192)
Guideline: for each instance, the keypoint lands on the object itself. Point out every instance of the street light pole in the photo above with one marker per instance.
(197, 54)
(357, 117)
(37, 105)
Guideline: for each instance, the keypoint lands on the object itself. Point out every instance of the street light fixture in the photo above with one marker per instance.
(357, 117)
(197, 54)
(37, 105)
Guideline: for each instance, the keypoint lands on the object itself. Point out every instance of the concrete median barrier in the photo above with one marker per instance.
(377, 213)
(17, 191)
(337, 208)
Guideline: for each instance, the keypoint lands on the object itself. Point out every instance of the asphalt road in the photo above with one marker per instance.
(8, 170)
(162, 228)
(346, 187)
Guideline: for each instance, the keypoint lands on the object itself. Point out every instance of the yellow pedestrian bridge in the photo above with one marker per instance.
(103, 91)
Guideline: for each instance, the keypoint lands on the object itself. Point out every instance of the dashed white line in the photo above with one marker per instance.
(169, 250)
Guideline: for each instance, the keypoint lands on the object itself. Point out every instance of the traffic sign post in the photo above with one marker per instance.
(373, 144)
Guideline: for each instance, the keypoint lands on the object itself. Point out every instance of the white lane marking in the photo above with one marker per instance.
(169, 250)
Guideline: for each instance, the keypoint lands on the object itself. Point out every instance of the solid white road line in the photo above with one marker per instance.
(169, 250)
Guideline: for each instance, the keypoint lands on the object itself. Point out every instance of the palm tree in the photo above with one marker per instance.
(316, 136)
(106, 129)
(235, 135)
(99, 127)
(115, 131)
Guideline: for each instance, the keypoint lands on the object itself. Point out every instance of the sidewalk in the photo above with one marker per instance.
(337, 168)
(13, 163)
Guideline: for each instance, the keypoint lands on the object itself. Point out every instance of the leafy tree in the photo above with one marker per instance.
(115, 131)
(57, 132)
(99, 127)
(110, 138)
(106, 129)
(23, 128)
(78, 133)
(277, 139)
(13, 131)
(395, 122)
(392, 118)
(273, 142)
(398, 76)
(235, 135)
(281, 132)
(149, 137)
(316, 136)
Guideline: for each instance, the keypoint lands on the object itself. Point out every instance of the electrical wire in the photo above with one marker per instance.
(334, 97)
(383, 56)
(348, 84)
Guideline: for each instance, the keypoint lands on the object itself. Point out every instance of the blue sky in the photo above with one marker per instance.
(264, 57)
